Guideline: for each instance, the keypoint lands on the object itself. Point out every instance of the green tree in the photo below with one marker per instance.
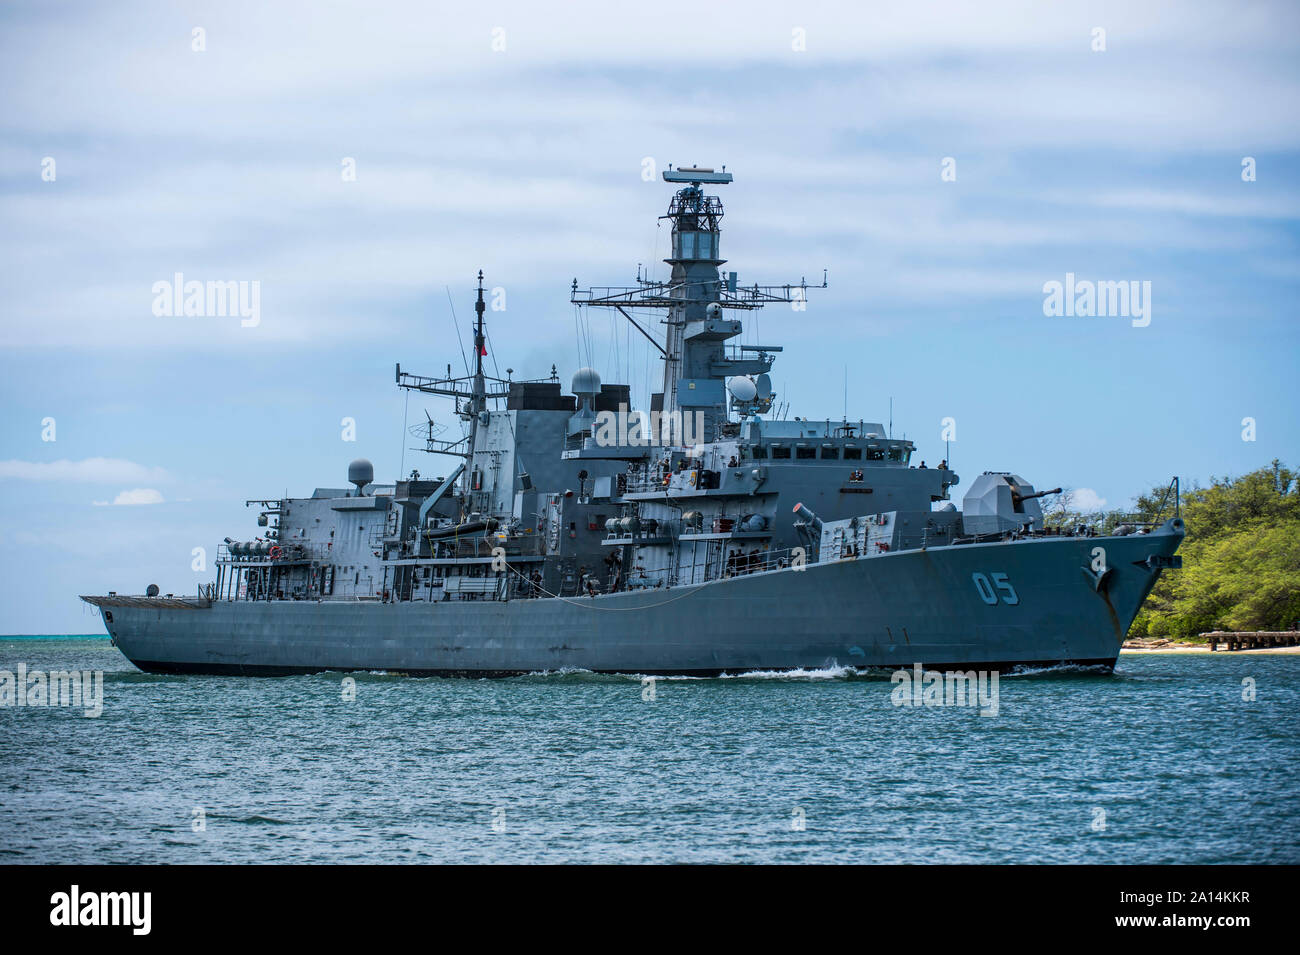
(1241, 558)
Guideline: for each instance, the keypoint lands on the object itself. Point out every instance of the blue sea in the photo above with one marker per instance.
(1162, 762)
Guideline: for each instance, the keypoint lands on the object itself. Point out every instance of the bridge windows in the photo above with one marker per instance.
(695, 245)
(803, 452)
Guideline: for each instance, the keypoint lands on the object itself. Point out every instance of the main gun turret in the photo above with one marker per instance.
(998, 502)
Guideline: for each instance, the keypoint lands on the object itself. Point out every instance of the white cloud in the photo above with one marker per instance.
(528, 162)
(90, 470)
(139, 495)
(1086, 500)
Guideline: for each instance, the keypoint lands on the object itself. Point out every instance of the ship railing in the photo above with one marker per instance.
(642, 537)
(641, 486)
(515, 545)
(641, 483)
(724, 566)
(779, 559)
(486, 588)
(289, 552)
(938, 535)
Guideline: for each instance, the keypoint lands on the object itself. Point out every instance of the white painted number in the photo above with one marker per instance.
(987, 593)
(1009, 595)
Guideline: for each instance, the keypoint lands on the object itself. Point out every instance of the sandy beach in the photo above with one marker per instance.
(1144, 646)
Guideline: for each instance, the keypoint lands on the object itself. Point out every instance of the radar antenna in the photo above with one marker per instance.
(696, 296)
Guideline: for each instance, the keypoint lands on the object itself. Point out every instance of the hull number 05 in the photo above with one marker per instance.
(991, 586)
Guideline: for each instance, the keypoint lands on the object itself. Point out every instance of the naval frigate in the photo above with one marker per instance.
(709, 533)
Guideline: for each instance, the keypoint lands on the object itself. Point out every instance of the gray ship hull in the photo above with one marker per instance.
(892, 610)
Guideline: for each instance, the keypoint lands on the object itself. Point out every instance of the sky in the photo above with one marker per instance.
(942, 162)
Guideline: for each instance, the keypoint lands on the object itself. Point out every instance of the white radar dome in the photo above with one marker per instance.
(742, 389)
(586, 381)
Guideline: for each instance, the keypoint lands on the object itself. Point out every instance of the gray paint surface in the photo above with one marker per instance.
(886, 611)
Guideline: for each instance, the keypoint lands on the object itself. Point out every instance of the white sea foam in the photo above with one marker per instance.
(562, 671)
(823, 673)
(1055, 670)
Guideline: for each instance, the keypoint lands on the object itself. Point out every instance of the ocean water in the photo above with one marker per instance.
(1163, 762)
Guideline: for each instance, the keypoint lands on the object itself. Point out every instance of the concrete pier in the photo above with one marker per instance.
(1254, 640)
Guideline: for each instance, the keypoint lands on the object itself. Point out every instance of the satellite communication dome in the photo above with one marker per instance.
(742, 388)
(586, 381)
(361, 472)
(764, 385)
(713, 312)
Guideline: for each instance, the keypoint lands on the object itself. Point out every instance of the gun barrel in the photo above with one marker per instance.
(1029, 497)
